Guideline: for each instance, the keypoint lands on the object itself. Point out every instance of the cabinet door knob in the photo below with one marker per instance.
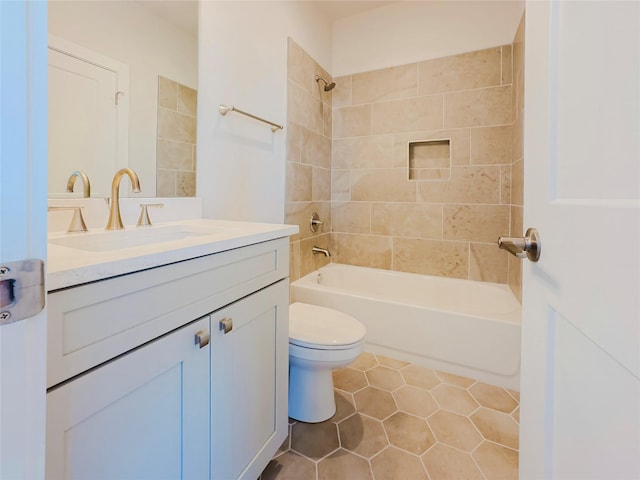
(226, 324)
(202, 338)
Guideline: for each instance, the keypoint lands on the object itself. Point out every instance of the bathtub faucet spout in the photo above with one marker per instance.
(324, 251)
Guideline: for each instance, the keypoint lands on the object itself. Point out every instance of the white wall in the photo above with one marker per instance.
(243, 62)
(132, 34)
(407, 32)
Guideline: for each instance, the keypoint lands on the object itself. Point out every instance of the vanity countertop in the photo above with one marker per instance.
(70, 262)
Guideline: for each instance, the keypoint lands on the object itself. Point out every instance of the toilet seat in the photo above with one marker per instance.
(320, 328)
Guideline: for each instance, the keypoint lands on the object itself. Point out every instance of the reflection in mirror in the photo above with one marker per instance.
(107, 60)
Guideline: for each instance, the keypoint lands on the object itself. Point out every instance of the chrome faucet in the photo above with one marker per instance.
(115, 221)
(323, 251)
(86, 185)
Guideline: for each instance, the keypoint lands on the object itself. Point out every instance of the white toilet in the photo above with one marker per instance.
(320, 339)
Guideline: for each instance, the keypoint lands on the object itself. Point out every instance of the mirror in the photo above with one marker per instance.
(122, 81)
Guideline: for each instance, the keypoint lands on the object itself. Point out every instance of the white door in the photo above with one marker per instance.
(82, 121)
(88, 116)
(581, 322)
(23, 230)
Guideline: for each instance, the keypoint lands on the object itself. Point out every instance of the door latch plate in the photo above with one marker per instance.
(22, 292)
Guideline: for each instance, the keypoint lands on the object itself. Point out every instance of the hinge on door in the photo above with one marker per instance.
(22, 292)
(118, 93)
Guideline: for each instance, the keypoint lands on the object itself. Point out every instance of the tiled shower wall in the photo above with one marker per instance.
(444, 226)
(445, 221)
(176, 148)
(308, 181)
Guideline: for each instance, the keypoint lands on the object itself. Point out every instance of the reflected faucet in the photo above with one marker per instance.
(115, 221)
(323, 251)
(86, 185)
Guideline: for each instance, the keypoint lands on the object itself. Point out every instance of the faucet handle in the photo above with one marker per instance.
(77, 221)
(143, 219)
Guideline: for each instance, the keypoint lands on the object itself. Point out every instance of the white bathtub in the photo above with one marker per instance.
(458, 326)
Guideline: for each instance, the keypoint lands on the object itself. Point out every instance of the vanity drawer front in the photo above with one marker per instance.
(92, 323)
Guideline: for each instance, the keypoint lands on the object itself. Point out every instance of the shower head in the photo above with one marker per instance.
(327, 86)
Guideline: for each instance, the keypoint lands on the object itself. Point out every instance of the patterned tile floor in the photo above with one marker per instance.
(398, 421)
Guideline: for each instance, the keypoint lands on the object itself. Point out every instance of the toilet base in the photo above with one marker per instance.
(311, 397)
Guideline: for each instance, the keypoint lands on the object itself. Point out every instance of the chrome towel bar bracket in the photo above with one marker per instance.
(224, 109)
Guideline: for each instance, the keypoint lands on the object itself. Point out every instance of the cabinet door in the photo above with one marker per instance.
(144, 415)
(249, 372)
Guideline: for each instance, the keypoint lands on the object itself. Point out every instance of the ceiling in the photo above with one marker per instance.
(339, 9)
(184, 13)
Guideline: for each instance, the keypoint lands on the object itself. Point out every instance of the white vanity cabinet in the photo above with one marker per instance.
(136, 392)
(143, 416)
(249, 378)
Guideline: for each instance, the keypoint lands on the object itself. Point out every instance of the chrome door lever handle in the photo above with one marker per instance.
(522, 247)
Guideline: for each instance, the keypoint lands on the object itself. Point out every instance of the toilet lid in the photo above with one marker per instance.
(313, 326)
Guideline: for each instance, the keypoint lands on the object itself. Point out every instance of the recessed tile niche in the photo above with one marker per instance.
(430, 160)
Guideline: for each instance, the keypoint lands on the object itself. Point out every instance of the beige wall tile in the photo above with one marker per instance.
(300, 66)
(487, 263)
(431, 257)
(385, 84)
(299, 213)
(517, 183)
(505, 187)
(299, 182)
(167, 93)
(458, 143)
(517, 150)
(491, 145)
(352, 121)
(363, 152)
(316, 149)
(294, 261)
(476, 223)
(174, 155)
(176, 126)
(187, 100)
(294, 142)
(185, 184)
(507, 64)
(483, 107)
(340, 185)
(351, 217)
(421, 113)
(309, 261)
(467, 185)
(342, 92)
(407, 220)
(166, 183)
(460, 72)
(327, 120)
(363, 250)
(303, 109)
(383, 184)
(321, 185)
(429, 174)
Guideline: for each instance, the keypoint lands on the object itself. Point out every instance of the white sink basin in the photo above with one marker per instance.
(103, 241)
